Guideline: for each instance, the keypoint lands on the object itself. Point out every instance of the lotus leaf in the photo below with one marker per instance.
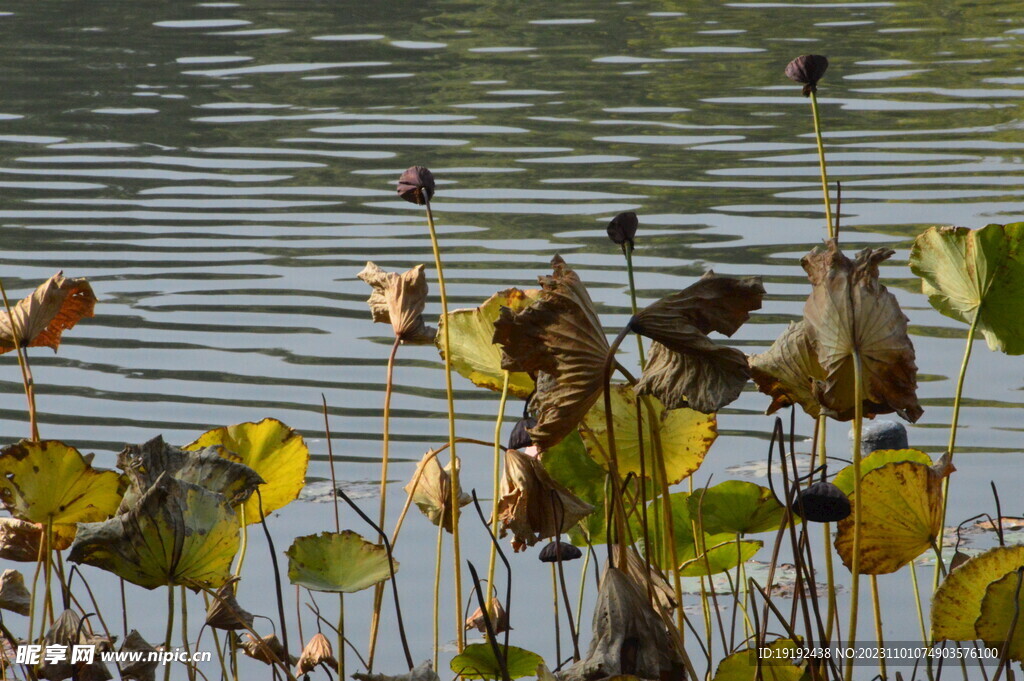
(788, 371)
(559, 339)
(13, 594)
(1000, 609)
(568, 464)
(338, 562)
(142, 669)
(720, 557)
(55, 306)
(901, 516)
(976, 273)
(849, 311)
(49, 481)
(477, 661)
(318, 651)
(177, 534)
(737, 507)
(399, 299)
(432, 491)
(686, 435)
(741, 665)
(277, 454)
(876, 459)
(474, 353)
(225, 613)
(957, 603)
(21, 540)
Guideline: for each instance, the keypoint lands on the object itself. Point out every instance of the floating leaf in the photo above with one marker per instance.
(399, 299)
(901, 516)
(849, 312)
(788, 371)
(49, 481)
(957, 603)
(570, 466)
(686, 368)
(21, 540)
(474, 352)
(13, 594)
(477, 661)
(979, 272)
(559, 339)
(430, 488)
(737, 507)
(55, 306)
(1000, 609)
(720, 558)
(877, 459)
(686, 435)
(177, 534)
(740, 665)
(337, 561)
(277, 454)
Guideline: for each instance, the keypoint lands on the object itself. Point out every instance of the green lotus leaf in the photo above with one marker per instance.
(471, 335)
(568, 464)
(687, 547)
(737, 507)
(1000, 608)
(877, 459)
(957, 603)
(740, 666)
(967, 273)
(177, 534)
(51, 481)
(686, 435)
(477, 661)
(277, 454)
(337, 561)
(720, 557)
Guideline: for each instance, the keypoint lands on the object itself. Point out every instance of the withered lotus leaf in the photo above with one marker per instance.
(176, 534)
(21, 540)
(39, 320)
(142, 669)
(687, 368)
(208, 467)
(318, 651)
(66, 631)
(225, 612)
(532, 505)
(399, 299)
(788, 370)
(559, 339)
(495, 612)
(636, 570)
(849, 311)
(13, 594)
(430, 488)
(267, 649)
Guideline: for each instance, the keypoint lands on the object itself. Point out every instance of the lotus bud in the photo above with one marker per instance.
(807, 69)
(520, 438)
(497, 615)
(559, 552)
(622, 229)
(416, 185)
(822, 502)
(317, 651)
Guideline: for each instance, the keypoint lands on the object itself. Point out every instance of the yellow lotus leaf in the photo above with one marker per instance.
(474, 353)
(901, 516)
(957, 603)
(876, 459)
(277, 453)
(686, 435)
(54, 307)
(337, 562)
(177, 534)
(1000, 608)
(742, 665)
(49, 481)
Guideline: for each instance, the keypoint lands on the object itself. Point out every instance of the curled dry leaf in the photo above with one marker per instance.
(13, 594)
(424, 671)
(39, 320)
(21, 540)
(399, 299)
(225, 612)
(497, 615)
(69, 630)
(687, 368)
(636, 570)
(142, 669)
(787, 372)
(430, 489)
(532, 503)
(267, 649)
(849, 311)
(558, 338)
(318, 651)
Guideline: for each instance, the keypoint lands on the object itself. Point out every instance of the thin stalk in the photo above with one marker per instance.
(341, 635)
(184, 632)
(170, 629)
(244, 542)
(277, 575)
(493, 561)
(627, 249)
(821, 163)
(826, 531)
(554, 606)
(460, 636)
(917, 601)
(618, 509)
(437, 591)
(47, 579)
(35, 581)
(26, 372)
(857, 513)
(583, 582)
(878, 622)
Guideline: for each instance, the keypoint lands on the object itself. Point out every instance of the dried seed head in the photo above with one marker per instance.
(559, 552)
(520, 438)
(822, 502)
(807, 69)
(416, 185)
(622, 228)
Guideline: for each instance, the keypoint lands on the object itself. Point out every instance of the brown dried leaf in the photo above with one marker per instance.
(66, 631)
(559, 339)
(532, 503)
(788, 370)
(267, 649)
(497, 615)
(431, 490)
(141, 669)
(850, 311)
(13, 594)
(399, 299)
(40, 319)
(20, 540)
(317, 651)
(637, 570)
(225, 612)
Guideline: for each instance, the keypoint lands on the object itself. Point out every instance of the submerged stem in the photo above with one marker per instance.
(821, 163)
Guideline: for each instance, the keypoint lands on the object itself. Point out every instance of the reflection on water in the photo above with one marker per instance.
(221, 171)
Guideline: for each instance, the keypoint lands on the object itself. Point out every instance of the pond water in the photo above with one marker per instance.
(222, 170)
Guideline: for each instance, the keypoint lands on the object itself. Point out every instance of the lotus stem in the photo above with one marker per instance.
(493, 561)
(619, 509)
(858, 388)
(26, 372)
(170, 628)
(244, 541)
(878, 622)
(498, 652)
(47, 578)
(341, 635)
(35, 582)
(460, 636)
(821, 163)
(184, 632)
(554, 606)
(917, 601)
(821, 428)
(437, 591)
(583, 584)
(627, 249)
(277, 576)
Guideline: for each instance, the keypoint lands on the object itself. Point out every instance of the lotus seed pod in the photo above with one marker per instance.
(622, 228)
(822, 502)
(520, 438)
(807, 69)
(559, 552)
(416, 185)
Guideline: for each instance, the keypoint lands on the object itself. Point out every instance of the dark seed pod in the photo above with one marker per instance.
(822, 502)
(622, 228)
(416, 185)
(551, 554)
(807, 69)
(520, 439)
